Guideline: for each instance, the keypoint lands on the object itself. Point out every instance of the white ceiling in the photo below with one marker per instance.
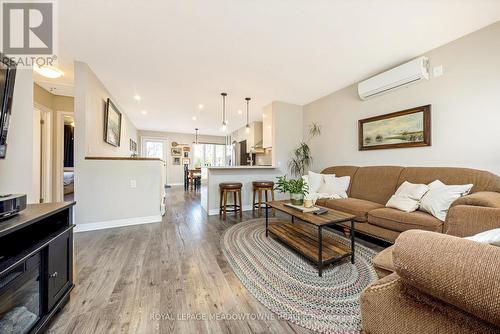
(178, 54)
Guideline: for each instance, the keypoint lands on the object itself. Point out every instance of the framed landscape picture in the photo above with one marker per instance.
(407, 128)
(176, 151)
(176, 161)
(112, 124)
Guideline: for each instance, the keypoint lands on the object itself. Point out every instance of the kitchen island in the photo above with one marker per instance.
(244, 174)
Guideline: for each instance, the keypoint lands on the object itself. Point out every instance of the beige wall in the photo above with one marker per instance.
(109, 193)
(96, 96)
(175, 173)
(465, 112)
(287, 124)
(17, 172)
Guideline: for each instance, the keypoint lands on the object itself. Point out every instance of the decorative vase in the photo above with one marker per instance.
(297, 199)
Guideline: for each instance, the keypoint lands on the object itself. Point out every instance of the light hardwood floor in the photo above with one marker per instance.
(155, 278)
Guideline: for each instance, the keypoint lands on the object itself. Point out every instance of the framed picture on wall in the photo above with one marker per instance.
(176, 161)
(133, 146)
(186, 154)
(112, 124)
(186, 161)
(407, 128)
(176, 151)
(186, 149)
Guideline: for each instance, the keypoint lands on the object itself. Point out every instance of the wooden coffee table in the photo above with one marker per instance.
(306, 237)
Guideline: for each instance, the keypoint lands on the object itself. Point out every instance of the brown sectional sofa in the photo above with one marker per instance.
(371, 187)
(442, 284)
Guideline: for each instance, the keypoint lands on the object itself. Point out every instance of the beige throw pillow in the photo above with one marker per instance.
(407, 197)
(438, 199)
(335, 185)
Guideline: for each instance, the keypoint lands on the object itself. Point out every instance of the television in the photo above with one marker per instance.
(7, 80)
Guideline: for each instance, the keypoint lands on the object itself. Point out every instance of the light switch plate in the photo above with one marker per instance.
(437, 71)
(133, 184)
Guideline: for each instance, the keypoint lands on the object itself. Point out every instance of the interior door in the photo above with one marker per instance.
(155, 148)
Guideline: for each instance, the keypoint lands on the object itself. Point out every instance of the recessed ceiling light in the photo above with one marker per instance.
(48, 71)
(240, 111)
(193, 118)
(137, 97)
(200, 106)
(144, 112)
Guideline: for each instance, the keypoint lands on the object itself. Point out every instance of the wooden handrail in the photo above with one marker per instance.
(125, 158)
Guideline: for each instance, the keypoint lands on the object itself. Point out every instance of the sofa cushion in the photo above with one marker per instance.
(355, 206)
(375, 184)
(482, 180)
(401, 221)
(383, 262)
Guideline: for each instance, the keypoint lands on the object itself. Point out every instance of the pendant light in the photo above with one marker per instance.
(247, 128)
(196, 136)
(224, 121)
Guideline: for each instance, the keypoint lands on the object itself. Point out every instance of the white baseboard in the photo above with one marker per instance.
(175, 184)
(117, 223)
(213, 212)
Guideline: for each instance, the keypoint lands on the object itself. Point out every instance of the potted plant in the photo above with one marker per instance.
(301, 158)
(296, 187)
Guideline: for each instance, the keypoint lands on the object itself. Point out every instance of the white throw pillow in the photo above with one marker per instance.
(315, 180)
(335, 185)
(405, 204)
(316, 196)
(407, 197)
(440, 196)
(491, 237)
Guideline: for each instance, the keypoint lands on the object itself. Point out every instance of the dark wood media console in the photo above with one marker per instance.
(36, 265)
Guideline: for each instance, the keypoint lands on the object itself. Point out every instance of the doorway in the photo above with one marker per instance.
(68, 158)
(155, 148)
(42, 136)
(64, 157)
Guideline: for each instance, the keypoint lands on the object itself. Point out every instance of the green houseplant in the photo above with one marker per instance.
(296, 187)
(301, 158)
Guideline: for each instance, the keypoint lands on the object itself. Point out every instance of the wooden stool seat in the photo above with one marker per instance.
(263, 184)
(230, 187)
(259, 187)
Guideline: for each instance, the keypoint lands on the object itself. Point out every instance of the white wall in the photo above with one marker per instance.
(287, 124)
(103, 190)
(106, 197)
(175, 173)
(465, 112)
(18, 174)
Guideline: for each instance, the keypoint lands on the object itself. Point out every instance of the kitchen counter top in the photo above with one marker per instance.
(241, 167)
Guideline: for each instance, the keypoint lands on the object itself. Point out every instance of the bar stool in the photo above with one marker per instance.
(258, 188)
(230, 187)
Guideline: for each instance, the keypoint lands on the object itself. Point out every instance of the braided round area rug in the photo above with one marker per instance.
(289, 285)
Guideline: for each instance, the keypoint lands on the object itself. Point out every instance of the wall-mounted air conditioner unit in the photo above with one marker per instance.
(401, 76)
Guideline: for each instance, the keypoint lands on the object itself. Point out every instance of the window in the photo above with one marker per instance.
(209, 155)
(154, 149)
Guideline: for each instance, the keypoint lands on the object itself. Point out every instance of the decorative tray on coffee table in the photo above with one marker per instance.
(302, 208)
